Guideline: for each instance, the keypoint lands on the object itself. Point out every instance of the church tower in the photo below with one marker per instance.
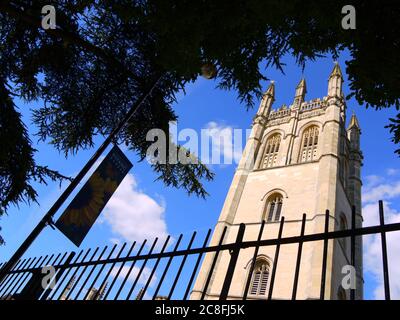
(298, 159)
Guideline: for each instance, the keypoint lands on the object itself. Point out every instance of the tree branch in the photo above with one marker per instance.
(68, 36)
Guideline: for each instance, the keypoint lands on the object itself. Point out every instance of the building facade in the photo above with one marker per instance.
(298, 159)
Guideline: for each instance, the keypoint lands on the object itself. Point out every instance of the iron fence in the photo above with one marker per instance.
(114, 273)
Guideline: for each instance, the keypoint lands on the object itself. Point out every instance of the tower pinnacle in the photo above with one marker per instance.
(271, 89)
(335, 82)
(301, 91)
(353, 122)
(336, 71)
(267, 100)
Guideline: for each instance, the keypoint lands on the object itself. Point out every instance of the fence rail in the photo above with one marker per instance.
(120, 274)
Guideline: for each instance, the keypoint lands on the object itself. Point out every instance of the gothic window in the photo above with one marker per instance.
(260, 278)
(309, 144)
(273, 208)
(271, 151)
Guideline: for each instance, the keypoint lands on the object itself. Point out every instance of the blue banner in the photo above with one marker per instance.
(87, 205)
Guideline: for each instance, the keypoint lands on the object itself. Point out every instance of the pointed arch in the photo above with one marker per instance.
(270, 133)
(305, 126)
(309, 144)
(278, 190)
(273, 208)
(260, 275)
(271, 151)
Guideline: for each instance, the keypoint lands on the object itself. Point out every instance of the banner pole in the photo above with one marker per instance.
(47, 218)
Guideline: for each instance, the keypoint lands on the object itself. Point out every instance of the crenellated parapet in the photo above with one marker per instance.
(307, 109)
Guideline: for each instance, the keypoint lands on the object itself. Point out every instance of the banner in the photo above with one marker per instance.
(87, 205)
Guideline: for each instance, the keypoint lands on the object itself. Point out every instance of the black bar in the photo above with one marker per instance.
(324, 257)
(12, 279)
(54, 278)
(253, 262)
(90, 274)
(25, 284)
(100, 271)
(232, 263)
(384, 253)
(59, 273)
(391, 227)
(210, 272)
(103, 283)
(128, 274)
(10, 275)
(80, 275)
(196, 265)
(246, 244)
(274, 267)
(181, 267)
(296, 274)
(167, 267)
(63, 268)
(47, 218)
(353, 247)
(35, 290)
(21, 280)
(16, 267)
(73, 274)
(154, 269)
(141, 270)
(119, 269)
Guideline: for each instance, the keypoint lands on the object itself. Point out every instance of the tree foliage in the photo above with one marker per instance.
(105, 54)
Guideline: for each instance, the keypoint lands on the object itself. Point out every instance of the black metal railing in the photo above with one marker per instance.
(111, 274)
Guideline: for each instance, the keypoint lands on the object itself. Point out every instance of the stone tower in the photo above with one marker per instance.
(298, 159)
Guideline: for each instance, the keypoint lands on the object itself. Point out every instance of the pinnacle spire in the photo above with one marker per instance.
(335, 82)
(336, 71)
(353, 122)
(271, 89)
(267, 100)
(302, 84)
(301, 91)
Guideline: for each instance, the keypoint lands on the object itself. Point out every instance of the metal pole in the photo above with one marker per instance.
(74, 183)
(353, 247)
(232, 263)
(384, 253)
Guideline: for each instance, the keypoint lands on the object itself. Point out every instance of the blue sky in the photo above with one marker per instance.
(144, 208)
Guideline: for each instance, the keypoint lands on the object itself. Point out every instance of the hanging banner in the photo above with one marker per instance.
(87, 205)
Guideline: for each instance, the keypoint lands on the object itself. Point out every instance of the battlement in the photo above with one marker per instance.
(313, 104)
(280, 113)
(285, 111)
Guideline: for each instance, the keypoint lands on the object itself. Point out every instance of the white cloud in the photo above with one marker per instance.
(382, 191)
(373, 253)
(144, 276)
(371, 181)
(224, 142)
(392, 172)
(133, 215)
(379, 188)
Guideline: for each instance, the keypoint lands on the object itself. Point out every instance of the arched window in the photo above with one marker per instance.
(271, 151)
(309, 144)
(341, 294)
(343, 226)
(260, 277)
(273, 208)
